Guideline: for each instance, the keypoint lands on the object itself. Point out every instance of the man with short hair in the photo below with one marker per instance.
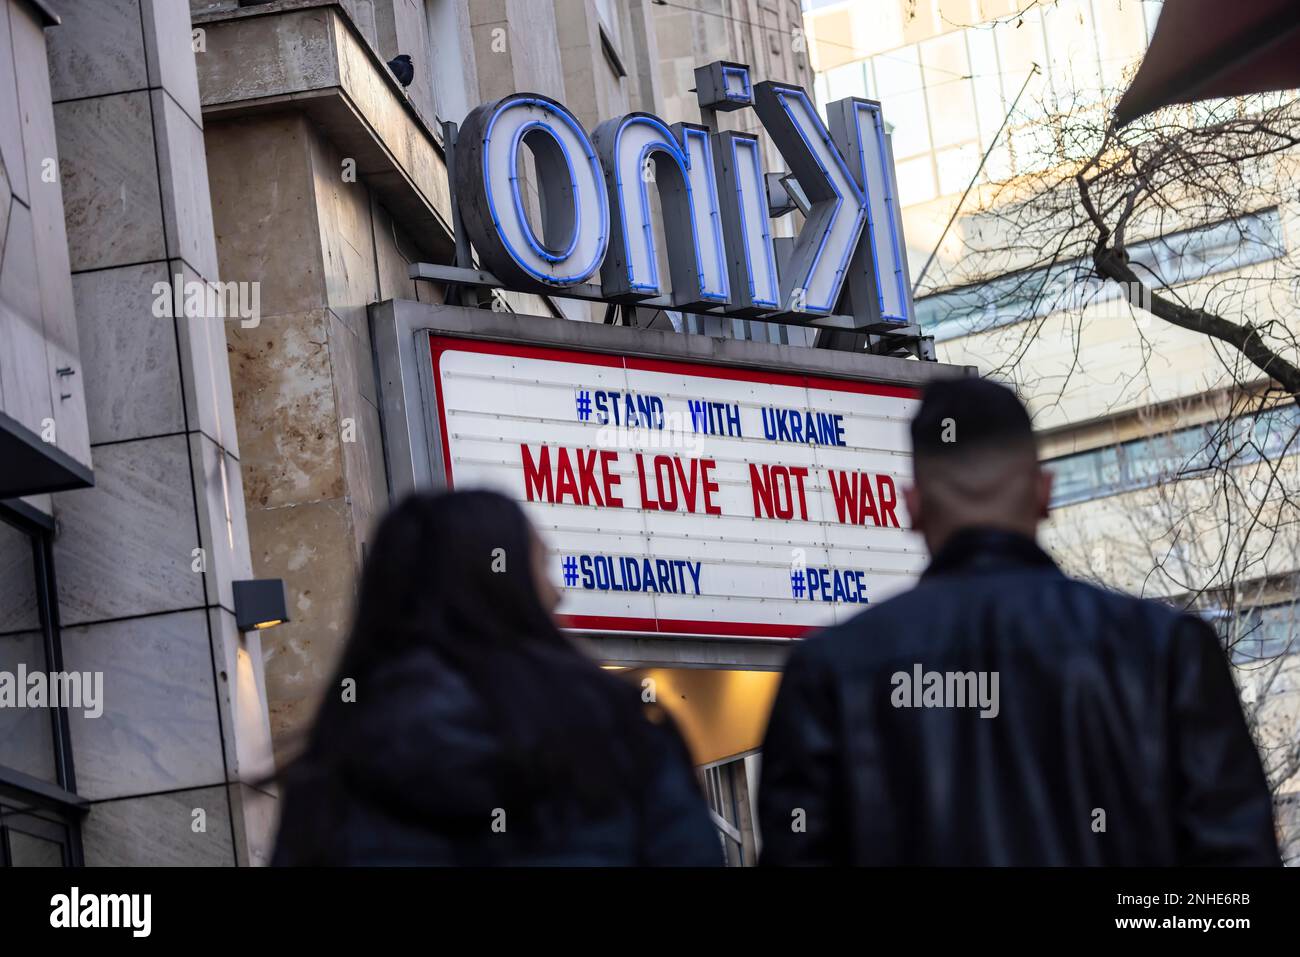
(1000, 713)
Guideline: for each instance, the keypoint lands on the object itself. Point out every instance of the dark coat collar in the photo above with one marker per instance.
(988, 549)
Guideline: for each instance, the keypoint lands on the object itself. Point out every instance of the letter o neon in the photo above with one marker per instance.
(575, 231)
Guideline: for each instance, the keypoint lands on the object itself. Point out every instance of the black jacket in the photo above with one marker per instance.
(1118, 737)
(419, 776)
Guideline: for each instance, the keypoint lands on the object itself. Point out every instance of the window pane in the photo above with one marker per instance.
(956, 167)
(1075, 478)
(29, 850)
(1020, 46)
(1276, 431)
(1277, 632)
(951, 103)
(1163, 457)
(1150, 460)
(1110, 477)
(1185, 256)
(915, 180)
(18, 608)
(898, 77)
(1122, 37)
(986, 80)
(847, 80)
(998, 167)
(26, 734)
(1034, 147)
(1072, 53)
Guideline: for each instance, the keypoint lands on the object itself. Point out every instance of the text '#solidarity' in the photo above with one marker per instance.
(625, 573)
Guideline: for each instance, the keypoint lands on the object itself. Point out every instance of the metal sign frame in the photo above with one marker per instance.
(401, 331)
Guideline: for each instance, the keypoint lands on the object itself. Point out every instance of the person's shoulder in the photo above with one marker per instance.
(1093, 619)
(416, 694)
(413, 674)
(885, 623)
(415, 717)
(1139, 616)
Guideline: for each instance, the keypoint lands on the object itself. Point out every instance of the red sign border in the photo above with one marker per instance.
(440, 344)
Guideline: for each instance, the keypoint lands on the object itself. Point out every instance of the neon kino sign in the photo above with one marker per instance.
(594, 199)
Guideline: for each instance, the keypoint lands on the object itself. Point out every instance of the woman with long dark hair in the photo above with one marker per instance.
(463, 727)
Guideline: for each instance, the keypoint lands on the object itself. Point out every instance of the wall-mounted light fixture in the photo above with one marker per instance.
(259, 603)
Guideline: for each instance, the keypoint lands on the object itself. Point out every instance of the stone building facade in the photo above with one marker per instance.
(295, 97)
(131, 578)
(262, 153)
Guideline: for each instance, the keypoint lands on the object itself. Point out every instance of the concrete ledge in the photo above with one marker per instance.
(308, 56)
(33, 467)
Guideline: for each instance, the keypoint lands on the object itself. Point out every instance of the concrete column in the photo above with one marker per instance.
(145, 559)
(304, 384)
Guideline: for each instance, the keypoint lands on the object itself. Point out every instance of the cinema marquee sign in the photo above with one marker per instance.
(684, 498)
(596, 222)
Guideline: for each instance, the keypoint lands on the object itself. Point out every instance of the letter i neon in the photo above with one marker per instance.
(742, 196)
